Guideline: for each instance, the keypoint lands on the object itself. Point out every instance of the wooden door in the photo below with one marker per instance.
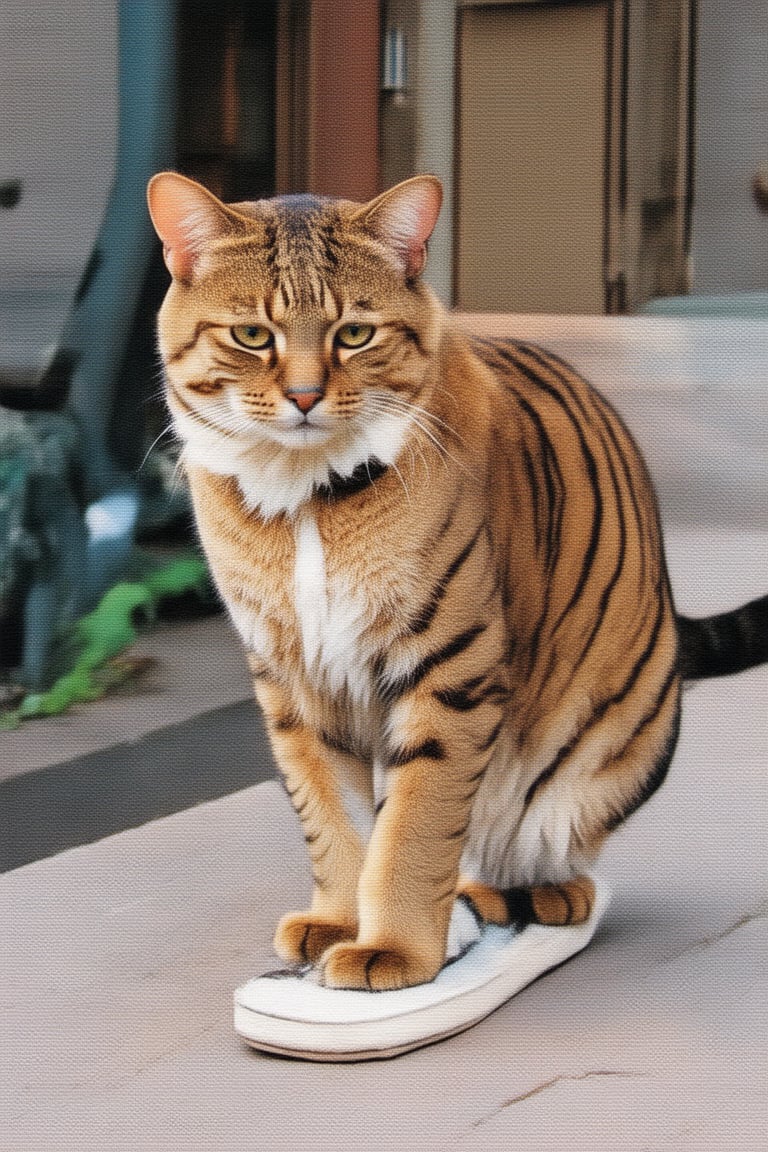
(531, 144)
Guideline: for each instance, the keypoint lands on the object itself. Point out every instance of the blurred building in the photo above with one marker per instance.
(597, 155)
(594, 154)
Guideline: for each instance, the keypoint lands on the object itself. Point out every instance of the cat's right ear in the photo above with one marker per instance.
(187, 217)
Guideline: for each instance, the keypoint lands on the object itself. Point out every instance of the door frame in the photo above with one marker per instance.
(635, 200)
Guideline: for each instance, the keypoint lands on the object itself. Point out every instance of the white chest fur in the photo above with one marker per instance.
(331, 617)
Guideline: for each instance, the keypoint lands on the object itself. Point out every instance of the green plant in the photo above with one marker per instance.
(102, 634)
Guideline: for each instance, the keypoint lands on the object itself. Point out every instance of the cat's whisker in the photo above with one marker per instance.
(407, 407)
(419, 431)
(442, 450)
(413, 447)
(394, 404)
(177, 477)
(158, 382)
(220, 417)
(167, 431)
(410, 406)
(435, 419)
(446, 392)
(400, 477)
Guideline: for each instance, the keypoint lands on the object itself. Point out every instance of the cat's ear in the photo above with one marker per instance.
(404, 217)
(187, 217)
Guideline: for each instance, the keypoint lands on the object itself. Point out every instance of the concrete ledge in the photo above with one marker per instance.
(752, 305)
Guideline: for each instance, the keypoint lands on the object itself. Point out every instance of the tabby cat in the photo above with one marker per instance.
(444, 559)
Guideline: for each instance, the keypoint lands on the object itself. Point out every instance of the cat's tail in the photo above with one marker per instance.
(721, 645)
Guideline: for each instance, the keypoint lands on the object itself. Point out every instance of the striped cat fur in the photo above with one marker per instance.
(444, 559)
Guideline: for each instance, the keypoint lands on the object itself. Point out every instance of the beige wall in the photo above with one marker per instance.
(730, 236)
(531, 153)
(58, 130)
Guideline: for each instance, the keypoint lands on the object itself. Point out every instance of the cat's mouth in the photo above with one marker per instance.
(306, 432)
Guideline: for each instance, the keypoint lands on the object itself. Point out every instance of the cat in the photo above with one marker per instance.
(444, 559)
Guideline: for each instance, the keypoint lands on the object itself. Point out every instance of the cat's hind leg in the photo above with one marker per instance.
(565, 904)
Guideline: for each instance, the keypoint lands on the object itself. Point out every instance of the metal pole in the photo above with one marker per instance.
(101, 321)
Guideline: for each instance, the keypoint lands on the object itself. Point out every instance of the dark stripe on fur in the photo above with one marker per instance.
(589, 461)
(187, 408)
(491, 352)
(601, 709)
(471, 694)
(462, 698)
(428, 750)
(553, 481)
(610, 422)
(287, 723)
(519, 904)
(339, 487)
(658, 773)
(467, 901)
(543, 358)
(562, 892)
(336, 743)
(617, 569)
(180, 352)
(457, 833)
(410, 334)
(491, 738)
(393, 691)
(533, 487)
(204, 387)
(372, 959)
(427, 614)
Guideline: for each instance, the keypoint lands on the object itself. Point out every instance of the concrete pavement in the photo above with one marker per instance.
(119, 960)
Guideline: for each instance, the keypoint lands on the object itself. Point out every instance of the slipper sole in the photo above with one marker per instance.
(290, 1014)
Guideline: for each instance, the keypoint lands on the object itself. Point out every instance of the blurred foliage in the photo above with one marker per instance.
(100, 637)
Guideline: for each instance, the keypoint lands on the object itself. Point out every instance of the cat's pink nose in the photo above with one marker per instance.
(304, 398)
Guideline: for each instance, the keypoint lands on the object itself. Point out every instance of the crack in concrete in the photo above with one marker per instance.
(709, 941)
(592, 1074)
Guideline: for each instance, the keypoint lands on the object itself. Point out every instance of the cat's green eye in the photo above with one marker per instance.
(354, 335)
(253, 336)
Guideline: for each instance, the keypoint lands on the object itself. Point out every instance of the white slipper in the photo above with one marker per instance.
(291, 1014)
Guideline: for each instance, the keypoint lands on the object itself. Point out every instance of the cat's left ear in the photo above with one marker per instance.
(187, 218)
(404, 218)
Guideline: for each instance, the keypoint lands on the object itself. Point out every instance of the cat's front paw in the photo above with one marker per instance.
(302, 937)
(363, 966)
